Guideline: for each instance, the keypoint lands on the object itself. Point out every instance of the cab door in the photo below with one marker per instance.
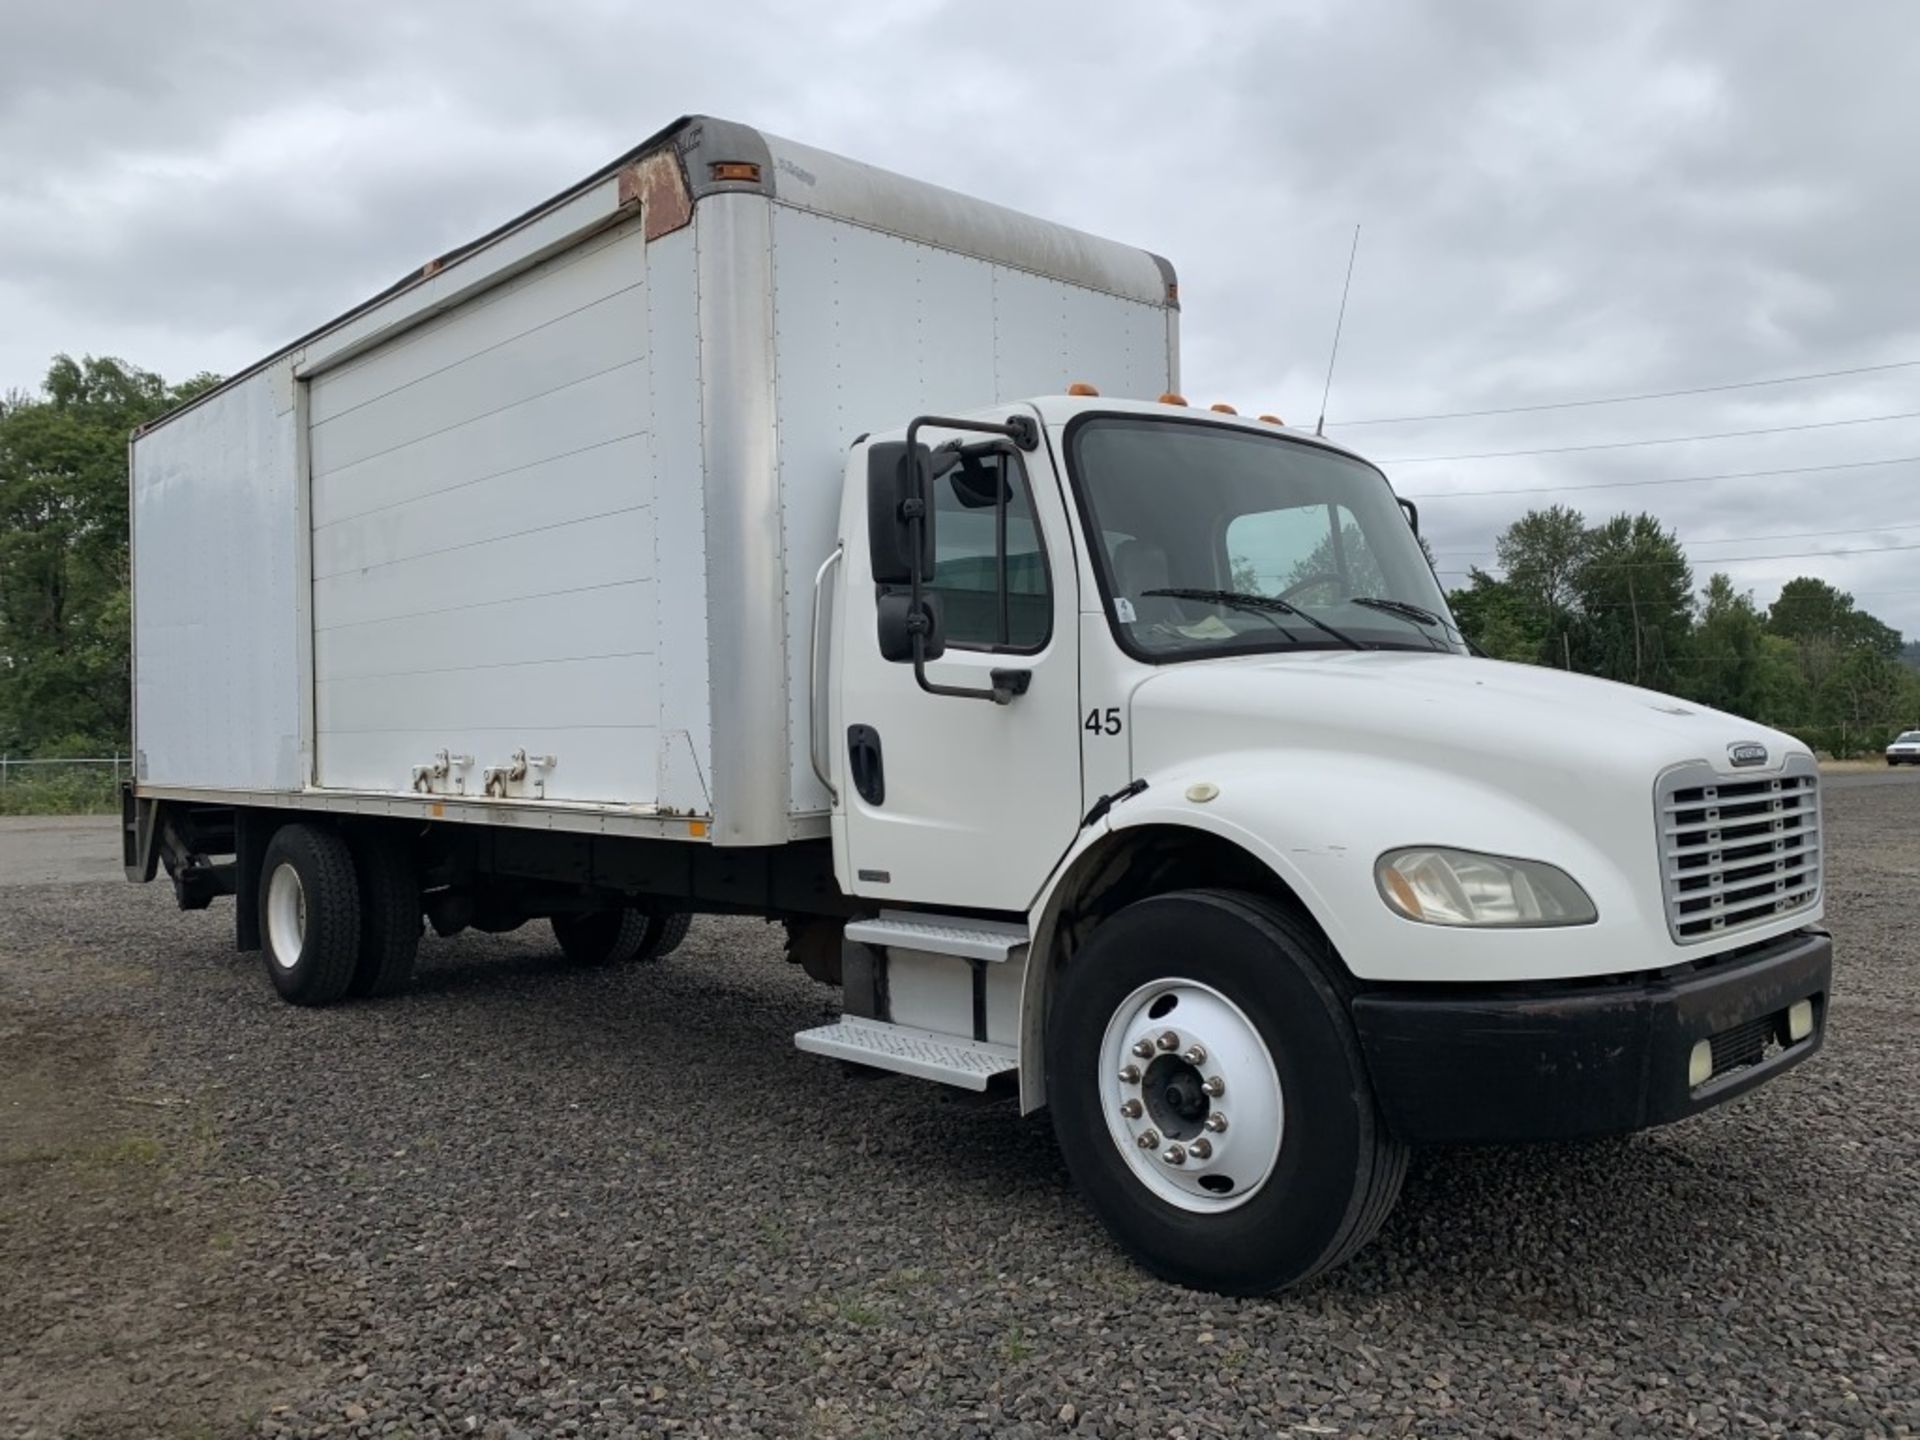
(947, 800)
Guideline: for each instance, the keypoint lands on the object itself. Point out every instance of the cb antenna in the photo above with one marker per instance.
(1320, 425)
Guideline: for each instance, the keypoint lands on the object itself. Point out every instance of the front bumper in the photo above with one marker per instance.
(1461, 1065)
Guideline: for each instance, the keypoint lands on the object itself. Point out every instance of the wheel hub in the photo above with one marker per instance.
(1193, 1098)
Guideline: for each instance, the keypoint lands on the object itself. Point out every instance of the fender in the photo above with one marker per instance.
(1317, 821)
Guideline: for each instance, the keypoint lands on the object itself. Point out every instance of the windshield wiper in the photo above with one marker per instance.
(1407, 610)
(1259, 604)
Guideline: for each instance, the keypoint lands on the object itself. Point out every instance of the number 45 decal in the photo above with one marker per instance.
(1103, 722)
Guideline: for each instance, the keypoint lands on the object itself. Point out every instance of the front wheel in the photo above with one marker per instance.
(1210, 1097)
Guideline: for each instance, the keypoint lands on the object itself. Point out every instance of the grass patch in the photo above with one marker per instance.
(60, 790)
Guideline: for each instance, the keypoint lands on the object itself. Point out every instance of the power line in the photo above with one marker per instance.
(1672, 480)
(1664, 440)
(1629, 399)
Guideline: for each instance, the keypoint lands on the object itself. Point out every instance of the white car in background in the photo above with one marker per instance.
(1905, 749)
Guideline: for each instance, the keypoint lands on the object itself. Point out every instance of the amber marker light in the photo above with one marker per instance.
(1223, 409)
(1172, 399)
(1081, 387)
(736, 170)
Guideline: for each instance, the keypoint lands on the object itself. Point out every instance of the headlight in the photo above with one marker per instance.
(1460, 887)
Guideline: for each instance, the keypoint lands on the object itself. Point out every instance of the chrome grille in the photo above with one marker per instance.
(1736, 853)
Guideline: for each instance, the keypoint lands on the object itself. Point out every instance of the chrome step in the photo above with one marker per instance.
(950, 1059)
(940, 934)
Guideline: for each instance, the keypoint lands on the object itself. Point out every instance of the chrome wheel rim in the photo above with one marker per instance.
(286, 916)
(1192, 1097)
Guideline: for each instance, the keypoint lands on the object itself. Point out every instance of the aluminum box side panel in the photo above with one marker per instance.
(871, 329)
(483, 540)
(218, 526)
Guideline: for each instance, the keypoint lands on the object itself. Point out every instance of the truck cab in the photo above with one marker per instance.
(1176, 792)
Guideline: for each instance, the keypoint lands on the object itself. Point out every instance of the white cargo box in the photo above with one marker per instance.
(531, 536)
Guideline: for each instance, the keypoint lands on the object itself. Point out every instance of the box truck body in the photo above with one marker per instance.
(747, 530)
(564, 495)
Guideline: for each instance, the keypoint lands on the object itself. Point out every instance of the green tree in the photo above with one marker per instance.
(1497, 618)
(64, 606)
(1541, 553)
(1633, 589)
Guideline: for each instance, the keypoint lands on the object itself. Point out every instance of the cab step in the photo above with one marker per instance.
(959, 935)
(950, 1059)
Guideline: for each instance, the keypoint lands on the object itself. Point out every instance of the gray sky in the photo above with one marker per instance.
(1559, 201)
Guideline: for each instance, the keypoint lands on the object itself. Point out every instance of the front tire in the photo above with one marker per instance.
(1210, 1097)
(309, 914)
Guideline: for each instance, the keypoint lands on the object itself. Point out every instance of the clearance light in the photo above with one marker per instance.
(1223, 409)
(1463, 887)
(1700, 1065)
(736, 170)
(1799, 1020)
(1273, 420)
(1081, 387)
(1172, 399)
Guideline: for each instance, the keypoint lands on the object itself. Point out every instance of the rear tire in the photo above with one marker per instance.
(309, 914)
(664, 934)
(390, 914)
(1300, 1171)
(613, 937)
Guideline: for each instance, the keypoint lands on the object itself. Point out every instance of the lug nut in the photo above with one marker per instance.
(1169, 1040)
(1130, 1075)
(1148, 1140)
(1143, 1048)
(1201, 1149)
(1175, 1155)
(1214, 1086)
(1195, 1055)
(1131, 1109)
(1216, 1122)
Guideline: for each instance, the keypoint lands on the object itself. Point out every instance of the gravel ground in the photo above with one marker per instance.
(529, 1200)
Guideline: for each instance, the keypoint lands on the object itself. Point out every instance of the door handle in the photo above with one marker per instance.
(864, 762)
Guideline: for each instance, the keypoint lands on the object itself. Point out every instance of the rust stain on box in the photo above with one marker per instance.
(656, 183)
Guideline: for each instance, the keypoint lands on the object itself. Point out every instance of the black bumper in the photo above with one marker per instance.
(1472, 1064)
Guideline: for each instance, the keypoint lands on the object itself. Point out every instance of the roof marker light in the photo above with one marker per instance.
(1223, 409)
(736, 170)
(1172, 399)
(1081, 387)
(1273, 419)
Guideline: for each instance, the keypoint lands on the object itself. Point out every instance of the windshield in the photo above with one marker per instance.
(1179, 506)
(1911, 737)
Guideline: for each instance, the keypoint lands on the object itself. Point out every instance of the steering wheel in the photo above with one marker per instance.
(1322, 578)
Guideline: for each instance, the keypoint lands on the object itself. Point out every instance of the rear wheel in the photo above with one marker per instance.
(1210, 1097)
(310, 914)
(390, 913)
(612, 937)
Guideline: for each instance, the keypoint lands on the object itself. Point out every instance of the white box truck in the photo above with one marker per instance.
(748, 530)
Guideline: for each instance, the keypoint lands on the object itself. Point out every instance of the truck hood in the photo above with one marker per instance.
(1505, 723)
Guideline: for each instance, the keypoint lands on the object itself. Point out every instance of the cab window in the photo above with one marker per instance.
(989, 567)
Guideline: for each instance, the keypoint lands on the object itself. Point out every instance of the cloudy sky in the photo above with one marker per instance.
(1558, 201)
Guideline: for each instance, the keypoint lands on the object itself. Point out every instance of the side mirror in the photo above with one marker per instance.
(894, 497)
(1412, 512)
(897, 627)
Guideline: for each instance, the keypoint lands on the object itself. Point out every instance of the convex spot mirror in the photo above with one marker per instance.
(896, 626)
